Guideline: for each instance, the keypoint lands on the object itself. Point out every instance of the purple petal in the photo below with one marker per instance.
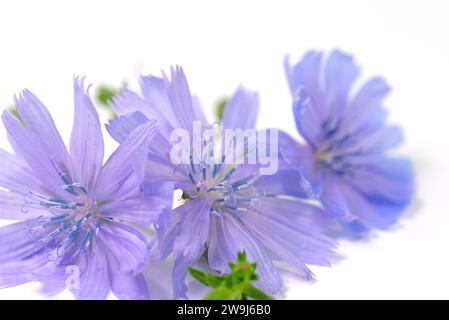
(13, 279)
(42, 129)
(334, 199)
(34, 268)
(374, 213)
(367, 102)
(376, 194)
(339, 75)
(390, 179)
(285, 182)
(318, 100)
(190, 242)
(241, 111)
(16, 242)
(155, 93)
(17, 180)
(179, 275)
(370, 142)
(120, 127)
(198, 110)
(305, 218)
(380, 192)
(305, 75)
(43, 163)
(127, 245)
(86, 142)
(163, 191)
(126, 285)
(218, 253)
(181, 100)
(142, 210)
(52, 275)
(299, 229)
(240, 238)
(304, 180)
(307, 118)
(16, 175)
(123, 173)
(160, 190)
(161, 169)
(15, 205)
(170, 101)
(128, 102)
(94, 279)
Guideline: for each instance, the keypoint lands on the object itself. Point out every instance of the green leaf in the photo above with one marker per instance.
(185, 196)
(241, 256)
(255, 293)
(199, 276)
(105, 94)
(215, 281)
(224, 293)
(207, 279)
(233, 286)
(13, 111)
(220, 107)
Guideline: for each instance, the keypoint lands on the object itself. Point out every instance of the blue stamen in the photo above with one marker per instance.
(231, 207)
(191, 178)
(192, 166)
(228, 175)
(66, 230)
(203, 172)
(242, 181)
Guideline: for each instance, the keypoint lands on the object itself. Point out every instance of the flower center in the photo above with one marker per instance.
(70, 229)
(216, 183)
(333, 151)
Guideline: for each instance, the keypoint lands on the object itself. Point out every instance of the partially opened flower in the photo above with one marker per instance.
(346, 155)
(79, 217)
(231, 206)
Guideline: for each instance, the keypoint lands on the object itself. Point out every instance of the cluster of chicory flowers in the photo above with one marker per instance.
(111, 219)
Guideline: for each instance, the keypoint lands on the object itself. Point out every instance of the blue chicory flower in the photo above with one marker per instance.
(347, 142)
(75, 211)
(231, 208)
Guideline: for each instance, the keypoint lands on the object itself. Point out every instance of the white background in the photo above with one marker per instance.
(224, 44)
